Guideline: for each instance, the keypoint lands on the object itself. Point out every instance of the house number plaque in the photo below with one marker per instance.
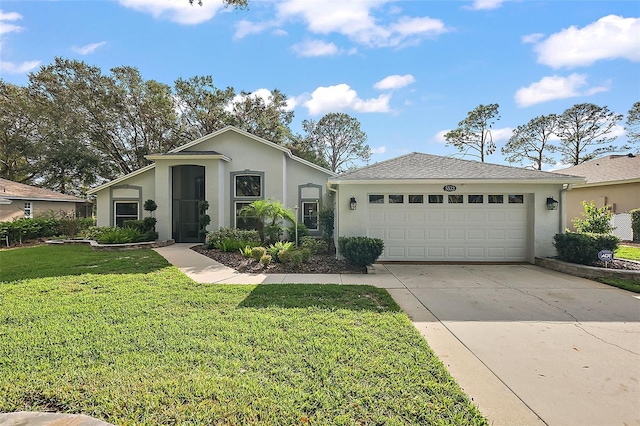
(449, 188)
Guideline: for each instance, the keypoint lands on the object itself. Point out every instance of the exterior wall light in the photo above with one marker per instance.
(552, 204)
(353, 204)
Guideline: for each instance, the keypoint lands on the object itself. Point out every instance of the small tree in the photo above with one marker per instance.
(596, 220)
(150, 206)
(203, 219)
(268, 214)
(474, 132)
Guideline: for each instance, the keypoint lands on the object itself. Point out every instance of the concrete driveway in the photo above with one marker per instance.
(529, 345)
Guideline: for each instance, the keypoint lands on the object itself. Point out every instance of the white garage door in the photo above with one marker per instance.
(444, 231)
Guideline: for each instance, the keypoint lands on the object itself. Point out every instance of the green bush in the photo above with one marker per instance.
(583, 248)
(258, 252)
(596, 220)
(360, 251)
(228, 245)
(303, 231)
(314, 245)
(26, 229)
(93, 232)
(635, 224)
(265, 260)
(279, 246)
(146, 226)
(326, 218)
(249, 236)
(120, 236)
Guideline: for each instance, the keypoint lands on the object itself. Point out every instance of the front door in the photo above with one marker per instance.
(188, 189)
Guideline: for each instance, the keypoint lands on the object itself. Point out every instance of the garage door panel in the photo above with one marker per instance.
(442, 232)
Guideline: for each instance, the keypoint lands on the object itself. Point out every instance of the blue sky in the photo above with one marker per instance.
(407, 70)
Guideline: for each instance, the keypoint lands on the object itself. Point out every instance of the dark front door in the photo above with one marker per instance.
(188, 191)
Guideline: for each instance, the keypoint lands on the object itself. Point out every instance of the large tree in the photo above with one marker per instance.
(267, 118)
(473, 135)
(584, 130)
(338, 139)
(530, 142)
(633, 123)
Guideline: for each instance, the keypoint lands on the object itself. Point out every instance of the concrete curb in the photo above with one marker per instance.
(584, 271)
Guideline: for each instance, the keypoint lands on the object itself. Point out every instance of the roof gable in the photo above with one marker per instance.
(609, 169)
(18, 191)
(419, 166)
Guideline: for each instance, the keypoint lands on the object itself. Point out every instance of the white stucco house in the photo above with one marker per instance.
(424, 207)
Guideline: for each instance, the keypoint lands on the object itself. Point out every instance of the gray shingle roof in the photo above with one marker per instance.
(14, 190)
(613, 168)
(417, 166)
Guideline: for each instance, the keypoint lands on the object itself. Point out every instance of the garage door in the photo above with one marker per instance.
(444, 227)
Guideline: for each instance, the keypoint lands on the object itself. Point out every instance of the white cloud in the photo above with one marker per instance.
(12, 68)
(502, 134)
(532, 38)
(245, 28)
(6, 27)
(341, 97)
(610, 37)
(264, 94)
(180, 12)
(394, 82)
(486, 4)
(555, 87)
(312, 48)
(439, 137)
(379, 150)
(89, 48)
(353, 19)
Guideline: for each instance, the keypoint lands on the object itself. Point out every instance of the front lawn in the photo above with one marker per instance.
(628, 252)
(153, 347)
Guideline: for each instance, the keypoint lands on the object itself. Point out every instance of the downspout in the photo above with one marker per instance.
(336, 228)
(563, 197)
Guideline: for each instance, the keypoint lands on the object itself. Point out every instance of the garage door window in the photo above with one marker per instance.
(396, 199)
(516, 199)
(416, 199)
(475, 199)
(495, 199)
(436, 199)
(455, 199)
(376, 199)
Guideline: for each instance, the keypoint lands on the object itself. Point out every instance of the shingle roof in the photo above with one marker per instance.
(613, 168)
(417, 166)
(14, 190)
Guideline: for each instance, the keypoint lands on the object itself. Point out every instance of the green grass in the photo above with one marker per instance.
(628, 252)
(153, 347)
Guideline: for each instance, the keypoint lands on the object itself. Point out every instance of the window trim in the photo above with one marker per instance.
(28, 209)
(317, 200)
(243, 199)
(127, 217)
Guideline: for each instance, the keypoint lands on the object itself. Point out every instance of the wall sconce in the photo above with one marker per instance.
(353, 204)
(552, 204)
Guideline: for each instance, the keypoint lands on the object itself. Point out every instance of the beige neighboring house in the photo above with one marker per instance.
(613, 181)
(18, 200)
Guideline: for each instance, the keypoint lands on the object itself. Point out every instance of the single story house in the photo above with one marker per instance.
(424, 207)
(18, 200)
(613, 181)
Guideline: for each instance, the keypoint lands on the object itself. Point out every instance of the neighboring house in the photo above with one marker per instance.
(424, 207)
(230, 169)
(431, 208)
(18, 200)
(613, 181)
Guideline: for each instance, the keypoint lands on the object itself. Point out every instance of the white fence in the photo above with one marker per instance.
(622, 222)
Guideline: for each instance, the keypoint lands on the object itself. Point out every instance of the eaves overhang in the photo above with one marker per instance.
(449, 181)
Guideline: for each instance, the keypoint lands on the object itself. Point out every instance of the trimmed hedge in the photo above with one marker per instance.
(635, 224)
(25, 229)
(583, 248)
(360, 251)
(222, 234)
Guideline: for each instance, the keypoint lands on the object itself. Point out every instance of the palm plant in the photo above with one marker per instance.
(269, 215)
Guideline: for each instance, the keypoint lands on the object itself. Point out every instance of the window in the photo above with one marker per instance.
(455, 199)
(436, 199)
(28, 210)
(495, 199)
(125, 210)
(416, 199)
(475, 199)
(396, 199)
(310, 215)
(376, 199)
(248, 186)
(516, 199)
(244, 222)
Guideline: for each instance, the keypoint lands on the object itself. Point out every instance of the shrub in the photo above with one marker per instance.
(246, 251)
(203, 219)
(25, 229)
(229, 245)
(360, 251)
(635, 224)
(293, 257)
(314, 245)
(596, 220)
(326, 218)
(583, 248)
(250, 236)
(93, 232)
(279, 246)
(258, 252)
(303, 231)
(265, 260)
(120, 236)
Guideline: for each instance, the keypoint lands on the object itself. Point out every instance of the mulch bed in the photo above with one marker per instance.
(317, 264)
